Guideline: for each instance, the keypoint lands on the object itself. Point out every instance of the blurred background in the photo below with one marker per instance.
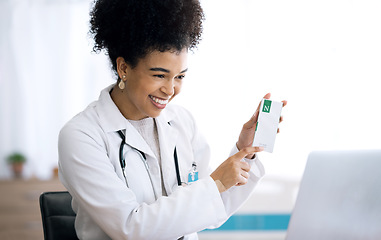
(324, 57)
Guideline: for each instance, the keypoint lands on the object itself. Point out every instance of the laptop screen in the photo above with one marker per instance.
(339, 197)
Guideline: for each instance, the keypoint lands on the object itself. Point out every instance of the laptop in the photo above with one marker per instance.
(339, 197)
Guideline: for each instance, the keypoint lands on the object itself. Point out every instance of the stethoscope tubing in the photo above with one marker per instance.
(144, 159)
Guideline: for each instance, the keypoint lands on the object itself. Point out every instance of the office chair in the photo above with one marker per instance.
(57, 216)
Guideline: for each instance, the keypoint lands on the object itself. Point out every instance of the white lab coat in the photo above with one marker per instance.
(106, 208)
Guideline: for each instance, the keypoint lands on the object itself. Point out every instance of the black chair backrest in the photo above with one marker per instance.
(57, 216)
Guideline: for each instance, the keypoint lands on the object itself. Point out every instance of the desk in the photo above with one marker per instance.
(20, 216)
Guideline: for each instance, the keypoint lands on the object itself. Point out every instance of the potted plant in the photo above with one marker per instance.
(17, 161)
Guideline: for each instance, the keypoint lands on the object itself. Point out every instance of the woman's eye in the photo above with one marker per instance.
(180, 77)
(159, 76)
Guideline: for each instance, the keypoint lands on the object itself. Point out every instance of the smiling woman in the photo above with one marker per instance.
(150, 85)
(133, 161)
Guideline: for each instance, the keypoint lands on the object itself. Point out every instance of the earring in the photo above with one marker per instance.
(121, 84)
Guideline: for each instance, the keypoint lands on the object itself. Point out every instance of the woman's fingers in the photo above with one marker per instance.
(281, 117)
(243, 178)
(246, 151)
(245, 166)
(233, 171)
(245, 174)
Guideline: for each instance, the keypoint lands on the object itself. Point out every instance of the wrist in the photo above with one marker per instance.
(220, 186)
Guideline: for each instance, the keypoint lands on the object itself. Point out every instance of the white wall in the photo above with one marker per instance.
(324, 57)
(47, 74)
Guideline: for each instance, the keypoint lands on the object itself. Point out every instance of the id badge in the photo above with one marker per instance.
(193, 173)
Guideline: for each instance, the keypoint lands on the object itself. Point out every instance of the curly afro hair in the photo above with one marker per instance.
(133, 28)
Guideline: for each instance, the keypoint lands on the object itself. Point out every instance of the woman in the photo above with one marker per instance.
(136, 166)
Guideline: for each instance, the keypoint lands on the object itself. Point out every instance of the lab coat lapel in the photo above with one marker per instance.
(167, 139)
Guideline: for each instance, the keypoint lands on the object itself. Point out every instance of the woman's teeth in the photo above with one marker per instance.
(158, 100)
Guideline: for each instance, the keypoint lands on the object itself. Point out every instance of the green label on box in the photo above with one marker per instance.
(266, 106)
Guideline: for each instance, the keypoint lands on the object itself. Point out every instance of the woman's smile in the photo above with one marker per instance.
(158, 102)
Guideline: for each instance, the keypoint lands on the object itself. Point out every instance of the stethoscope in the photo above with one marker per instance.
(144, 159)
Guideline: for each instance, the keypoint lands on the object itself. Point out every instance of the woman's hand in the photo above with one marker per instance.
(233, 171)
(246, 136)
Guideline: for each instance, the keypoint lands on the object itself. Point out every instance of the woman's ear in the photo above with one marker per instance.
(122, 67)
(122, 72)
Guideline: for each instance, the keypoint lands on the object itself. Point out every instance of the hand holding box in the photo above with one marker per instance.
(267, 124)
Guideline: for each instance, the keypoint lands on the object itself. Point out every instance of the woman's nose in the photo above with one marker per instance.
(169, 87)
